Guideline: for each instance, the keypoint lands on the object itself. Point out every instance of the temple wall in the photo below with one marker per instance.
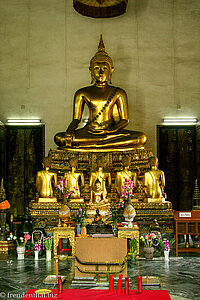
(46, 47)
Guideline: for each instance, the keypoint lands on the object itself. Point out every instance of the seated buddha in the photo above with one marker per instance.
(75, 180)
(126, 173)
(154, 182)
(98, 181)
(108, 112)
(46, 180)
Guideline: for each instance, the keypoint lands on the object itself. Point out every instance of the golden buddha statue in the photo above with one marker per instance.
(100, 178)
(124, 174)
(154, 182)
(108, 112)
(64, 213)
(97, 195)
(75, 180)
(45, 181)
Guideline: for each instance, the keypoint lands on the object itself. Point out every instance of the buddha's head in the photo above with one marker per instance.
(47, 162)
(153, 161)
(101, 65)
(98, 185)
(126, 161)
(73, 162)
(100, 161)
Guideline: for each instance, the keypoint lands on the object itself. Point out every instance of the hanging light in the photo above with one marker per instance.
(100, 8)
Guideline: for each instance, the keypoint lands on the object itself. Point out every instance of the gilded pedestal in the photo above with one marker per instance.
(161, 211)
(127, 233)
(44, 214)
(66, 233)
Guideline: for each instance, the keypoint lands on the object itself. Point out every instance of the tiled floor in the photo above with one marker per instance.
(180, 276)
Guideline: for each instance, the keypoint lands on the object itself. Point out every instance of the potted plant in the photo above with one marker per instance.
(116, 210)
(149, 241)
(48, 241)
(166, 246)
(133, 244)
(21, 244)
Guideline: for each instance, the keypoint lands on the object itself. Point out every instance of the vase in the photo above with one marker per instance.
(166, 254)
(115, 229)
(48, 255)
(20, 252)
(78, 229)
(148, 252)
(36, 254)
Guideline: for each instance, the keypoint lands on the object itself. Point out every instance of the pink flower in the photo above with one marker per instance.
(27, 237)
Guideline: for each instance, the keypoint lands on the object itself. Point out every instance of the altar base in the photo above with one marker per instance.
(6, 247)
(47, 200)
(44, 214)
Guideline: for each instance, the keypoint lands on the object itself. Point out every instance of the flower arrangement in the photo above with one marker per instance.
(149, 240)
(127, 188)
(63, 187)
(116, 209)
(80, 215)
(166, 244)
(48, 242)
(22, 240)
(38, 247)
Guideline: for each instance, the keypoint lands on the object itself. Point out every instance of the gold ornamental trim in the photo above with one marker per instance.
(44, 206)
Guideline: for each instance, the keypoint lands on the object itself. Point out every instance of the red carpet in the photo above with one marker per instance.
(77, 294)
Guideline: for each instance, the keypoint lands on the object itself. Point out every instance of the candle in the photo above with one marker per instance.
(139, 284)
(119, 285)
(60, 288)
(126, 286)
(111, 283)
(57, 269)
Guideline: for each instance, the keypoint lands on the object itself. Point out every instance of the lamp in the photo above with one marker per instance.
(23, 121)
(180, 121)
(100, 8)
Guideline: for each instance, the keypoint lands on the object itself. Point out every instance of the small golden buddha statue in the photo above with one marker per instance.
(46, 180)
(124, 174)
(154, 182)
(98, 180)
(75, 180)
(64, 213)
(97, 195)
(108, 112)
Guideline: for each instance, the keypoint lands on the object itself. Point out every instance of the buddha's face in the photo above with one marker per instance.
(98, 186)
(101, 72)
